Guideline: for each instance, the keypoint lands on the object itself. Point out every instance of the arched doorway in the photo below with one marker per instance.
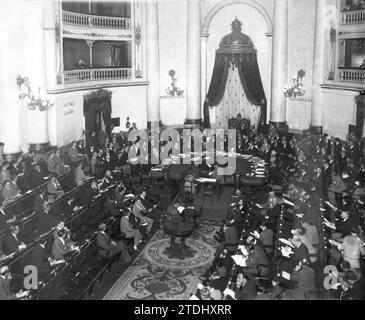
(97, 113)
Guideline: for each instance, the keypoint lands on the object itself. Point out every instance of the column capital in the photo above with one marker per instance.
(90, 43)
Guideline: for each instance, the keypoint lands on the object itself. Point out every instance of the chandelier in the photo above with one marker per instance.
(33, 101)
(296, 89)
(173, 89)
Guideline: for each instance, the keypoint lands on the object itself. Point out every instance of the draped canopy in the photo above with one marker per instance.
(236, 50)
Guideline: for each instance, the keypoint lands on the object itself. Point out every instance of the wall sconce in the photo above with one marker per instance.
(33, 101)
(173, 89)
(297, 89)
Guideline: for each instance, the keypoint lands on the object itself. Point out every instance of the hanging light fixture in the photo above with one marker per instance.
(173, 89)
(296, 89)
(38, 100)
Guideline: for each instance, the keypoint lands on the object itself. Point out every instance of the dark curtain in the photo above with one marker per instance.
(91, 107)
(360, 114)
(216, 88)
(250, 78)
(106, 109)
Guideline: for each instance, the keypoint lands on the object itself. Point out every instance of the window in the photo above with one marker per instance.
(352, 53)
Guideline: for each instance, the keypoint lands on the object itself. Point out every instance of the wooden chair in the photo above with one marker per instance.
(208, 192)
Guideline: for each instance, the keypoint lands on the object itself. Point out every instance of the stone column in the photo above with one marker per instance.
(153, 63)
(193, 63)
(279, 67)
(10, 55)
(36, 64)
(318, 66)
(90, 44)
(204, 40)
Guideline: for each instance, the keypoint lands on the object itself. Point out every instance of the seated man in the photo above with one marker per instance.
(266, 237)
(257, 262)
(9, 193)
(5, 292)
(38, 176)
(61, 167)
(67, 239)
(109, 248)
(39, 200)
(40, 259)
(54, 189)
(51, 164)
(80, 176)
(129, 230)
(16, 168)
(304, 277)
(60, 246)
(74, 155)
(119, 194)
(45, 221)
(342, 227)
(90, 193)
(4, 173)
(245, 289)
(107, 180)
(12, 242)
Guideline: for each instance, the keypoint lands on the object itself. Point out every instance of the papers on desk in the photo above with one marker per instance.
(286, 242)
(57, 262)
(285, 275)
(259, 206)
(157, 169)
(131, 195)
(194, 297)
(334, 243)
(243, 250)
(239, 260)
(180, 209)
(203, 180)
(289, 203)
(286, 251)
(8, 256)
(345, 176)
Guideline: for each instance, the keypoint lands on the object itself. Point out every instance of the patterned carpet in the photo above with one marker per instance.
(161, 274)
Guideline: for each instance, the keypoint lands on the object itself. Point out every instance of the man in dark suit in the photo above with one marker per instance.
(37, 176)
(300, 253)
(40, 259)
(39, 200)
(12, 242)
(29, 162)
(109, 248)
(45, 221)
(5, 292)
(246, 287)
(16, 168)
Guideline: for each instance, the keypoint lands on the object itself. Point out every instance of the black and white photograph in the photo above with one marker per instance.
(182, 151)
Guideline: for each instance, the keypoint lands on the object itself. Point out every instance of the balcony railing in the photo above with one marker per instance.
(353, 17)
(352, 75)
(86, 20)
(85, 75)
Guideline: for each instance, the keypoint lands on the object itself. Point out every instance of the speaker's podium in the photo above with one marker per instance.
(180, 223)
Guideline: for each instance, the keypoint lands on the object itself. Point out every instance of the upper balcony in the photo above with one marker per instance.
(353, 17)
(352, 12)
(101, 15)
(92, 21)
(354, 76)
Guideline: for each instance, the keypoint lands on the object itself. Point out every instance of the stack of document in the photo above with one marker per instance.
(180, 209)
(239, 260)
